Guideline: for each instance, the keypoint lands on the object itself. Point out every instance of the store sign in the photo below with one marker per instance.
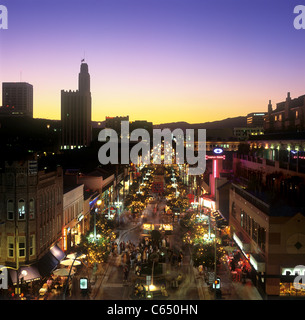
(215, 157)
(209, 204)
(64, 239)
(218, 151)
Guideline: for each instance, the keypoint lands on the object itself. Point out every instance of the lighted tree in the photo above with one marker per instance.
(98, 249)
(204, 254)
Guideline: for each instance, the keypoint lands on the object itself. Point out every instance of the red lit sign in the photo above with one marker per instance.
(215, 157)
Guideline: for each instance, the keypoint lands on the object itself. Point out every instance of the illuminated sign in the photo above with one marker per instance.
(83, 283)
(64, 239)
(147, 226)
(166, 227)
(218, 150)
(222, 157)
(209, 204)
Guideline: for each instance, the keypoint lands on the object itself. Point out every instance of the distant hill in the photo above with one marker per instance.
(228, 123)
(216, 130)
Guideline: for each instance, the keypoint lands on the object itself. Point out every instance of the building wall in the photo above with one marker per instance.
(28, 210)
(17, 98)
(73, 209)
(285, 239)
(49, 209)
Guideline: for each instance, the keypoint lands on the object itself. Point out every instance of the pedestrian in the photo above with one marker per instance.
(180, 258)
(126, 272)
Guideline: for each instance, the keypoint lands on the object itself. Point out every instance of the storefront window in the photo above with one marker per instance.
(288, 289)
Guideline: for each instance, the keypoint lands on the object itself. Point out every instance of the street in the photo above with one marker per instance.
(110, 284)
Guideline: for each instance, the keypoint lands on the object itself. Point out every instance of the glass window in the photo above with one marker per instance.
(21, 209)
(32, 245)
(10, 209)
(10, 247)
(21, 247)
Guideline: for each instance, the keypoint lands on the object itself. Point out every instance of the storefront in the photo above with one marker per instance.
(291, 283)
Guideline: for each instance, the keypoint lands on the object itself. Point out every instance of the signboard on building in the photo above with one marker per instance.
(64, 239)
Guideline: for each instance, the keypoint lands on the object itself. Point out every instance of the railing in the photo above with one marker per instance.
(259, 204)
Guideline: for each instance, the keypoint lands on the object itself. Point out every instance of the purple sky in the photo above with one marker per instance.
(156, 60)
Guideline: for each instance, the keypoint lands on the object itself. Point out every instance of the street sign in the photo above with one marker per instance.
(83, 283)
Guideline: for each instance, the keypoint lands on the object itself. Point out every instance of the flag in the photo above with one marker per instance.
(83, 60)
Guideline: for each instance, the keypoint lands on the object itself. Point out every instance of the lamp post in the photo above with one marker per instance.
(77, 255)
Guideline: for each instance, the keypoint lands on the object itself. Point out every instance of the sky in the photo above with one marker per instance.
(156, 60)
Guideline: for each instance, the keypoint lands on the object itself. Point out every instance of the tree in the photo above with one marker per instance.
(97, 250)
(204, 254)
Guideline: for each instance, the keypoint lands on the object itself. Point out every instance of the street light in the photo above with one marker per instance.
(73, 261)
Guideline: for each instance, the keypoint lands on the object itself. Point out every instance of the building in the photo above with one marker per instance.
(17, 99)
(267, 215)
(73, 214)
(256, 119)
(244, 133)
(31, 217)
(289, 115)
(115, 124)
(76, 113)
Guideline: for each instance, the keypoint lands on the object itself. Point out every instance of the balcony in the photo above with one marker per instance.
(254, 200)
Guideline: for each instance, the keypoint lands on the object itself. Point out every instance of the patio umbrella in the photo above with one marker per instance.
(69, 262)
(63, 272)
(73, 255)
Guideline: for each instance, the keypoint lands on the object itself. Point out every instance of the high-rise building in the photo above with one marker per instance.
(17, 98)
(76, 113)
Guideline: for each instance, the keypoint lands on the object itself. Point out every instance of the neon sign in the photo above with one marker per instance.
(218, 150)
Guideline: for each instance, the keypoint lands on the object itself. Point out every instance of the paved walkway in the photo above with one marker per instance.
(193, 288)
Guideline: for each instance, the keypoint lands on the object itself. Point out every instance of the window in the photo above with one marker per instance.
(32, 244)
(32, 209)
(21, 247)
(10, 247)
(10, 209)
(297, 114)
(21, 209)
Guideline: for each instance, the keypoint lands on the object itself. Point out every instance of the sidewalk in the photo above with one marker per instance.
(235, 290)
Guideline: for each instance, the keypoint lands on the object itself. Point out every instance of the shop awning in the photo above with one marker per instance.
(257, 262)
(26, 273)
(241, 241)
(57, 253)
(50, 261)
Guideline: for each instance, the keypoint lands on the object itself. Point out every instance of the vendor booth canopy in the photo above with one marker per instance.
(26, 273)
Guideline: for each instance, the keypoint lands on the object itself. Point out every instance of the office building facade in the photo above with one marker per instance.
(17, 98)
(76, 113)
